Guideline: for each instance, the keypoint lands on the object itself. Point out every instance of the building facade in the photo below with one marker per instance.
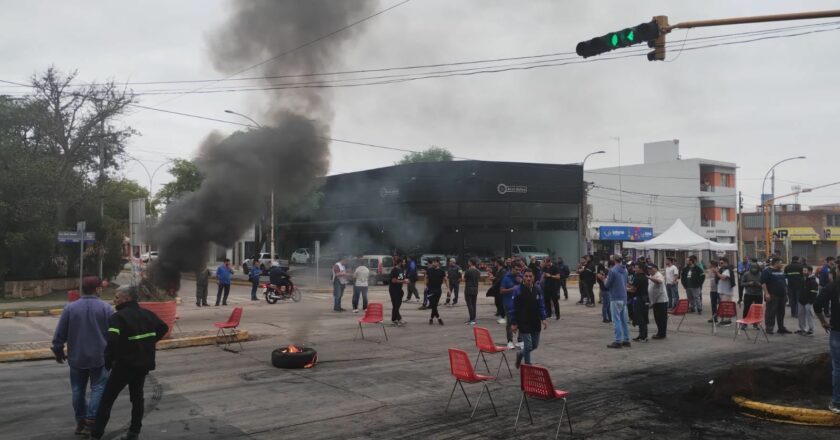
(812, 234)
(448, 208)
(650, 196)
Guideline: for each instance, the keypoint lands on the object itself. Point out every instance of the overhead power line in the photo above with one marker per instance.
(523, 63)
(297, 48)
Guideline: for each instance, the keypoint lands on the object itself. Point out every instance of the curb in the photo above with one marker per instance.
(788, 414)
(166, 344)
(47, 311)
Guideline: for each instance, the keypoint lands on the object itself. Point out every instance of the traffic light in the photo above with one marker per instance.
(627, 37)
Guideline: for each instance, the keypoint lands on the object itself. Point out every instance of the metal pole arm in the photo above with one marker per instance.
(753, 19)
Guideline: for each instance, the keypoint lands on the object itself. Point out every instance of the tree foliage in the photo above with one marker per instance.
(431, 154)
(188, 179)
(52, 144)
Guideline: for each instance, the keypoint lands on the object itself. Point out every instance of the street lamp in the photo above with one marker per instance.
(273, 226)
(582, 164)
(771, 244)
(584, 215)
(244, 116)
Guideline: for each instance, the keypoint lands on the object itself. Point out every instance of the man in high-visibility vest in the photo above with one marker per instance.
(130, 354)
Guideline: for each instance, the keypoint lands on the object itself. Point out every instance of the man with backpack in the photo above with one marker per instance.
(795, 284)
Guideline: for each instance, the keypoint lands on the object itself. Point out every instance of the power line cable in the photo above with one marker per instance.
(295, 49)
(456, 63)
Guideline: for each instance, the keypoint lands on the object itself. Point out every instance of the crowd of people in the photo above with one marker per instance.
(527, 293)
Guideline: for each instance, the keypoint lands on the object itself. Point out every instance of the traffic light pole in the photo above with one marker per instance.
(752, 19)
(654, 32)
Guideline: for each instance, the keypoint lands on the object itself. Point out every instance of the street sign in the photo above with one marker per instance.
(73, 237)
(80, 226)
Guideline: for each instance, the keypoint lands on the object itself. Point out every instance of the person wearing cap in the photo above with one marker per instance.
(130, 355)
(83, 326)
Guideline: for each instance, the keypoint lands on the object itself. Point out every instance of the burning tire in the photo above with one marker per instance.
(284, 358)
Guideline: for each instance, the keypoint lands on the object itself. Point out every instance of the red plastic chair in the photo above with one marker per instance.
(462, 369)
(755, 316)
(485, 344)
(373, 315)
(231, 324)
(726, 310)
(680, 310)
(536, 382)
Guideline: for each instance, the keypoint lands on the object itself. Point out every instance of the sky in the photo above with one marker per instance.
(753, 104)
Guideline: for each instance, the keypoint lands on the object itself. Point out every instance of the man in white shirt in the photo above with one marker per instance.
(659, 300)
(672, 281)
(339, 279)
(360, 286)
(726, 286)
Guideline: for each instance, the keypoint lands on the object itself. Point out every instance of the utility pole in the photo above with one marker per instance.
(740, 224)
(654, 32)
(101, 195)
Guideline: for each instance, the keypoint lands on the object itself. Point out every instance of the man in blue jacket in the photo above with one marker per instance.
(84, 327)
(509, 282)
(616, 284)
(223, 276)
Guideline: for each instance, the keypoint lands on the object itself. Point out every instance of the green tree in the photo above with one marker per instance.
(431, 154)
(118, 193)
(188, 179)
(53, 142)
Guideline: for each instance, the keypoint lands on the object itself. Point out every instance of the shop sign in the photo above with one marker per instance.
(511, 189)
(389, 191)
(625, 233)
(796, 234)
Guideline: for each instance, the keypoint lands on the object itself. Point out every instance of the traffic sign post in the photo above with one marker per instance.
(81, 237)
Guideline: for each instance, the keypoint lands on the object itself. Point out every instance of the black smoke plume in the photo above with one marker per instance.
(290, 152)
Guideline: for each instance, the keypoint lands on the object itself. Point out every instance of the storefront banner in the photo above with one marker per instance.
(624, 233)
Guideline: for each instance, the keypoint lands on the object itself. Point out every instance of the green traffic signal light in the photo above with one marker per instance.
(626, 37)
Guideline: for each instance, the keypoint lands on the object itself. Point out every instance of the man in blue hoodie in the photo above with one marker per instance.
(616, 284)
(83, 326)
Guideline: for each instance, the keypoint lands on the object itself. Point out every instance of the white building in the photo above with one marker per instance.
(635, 202)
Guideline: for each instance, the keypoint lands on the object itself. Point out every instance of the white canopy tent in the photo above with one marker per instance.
(680, 237)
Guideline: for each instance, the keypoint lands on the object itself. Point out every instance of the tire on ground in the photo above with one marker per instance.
(292, 360)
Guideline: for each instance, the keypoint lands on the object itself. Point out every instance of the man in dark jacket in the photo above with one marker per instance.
(795, 284)
(692, 279)
(527, 315)
(130, 354)
(775, 295)
(829, 297)
(564, 270)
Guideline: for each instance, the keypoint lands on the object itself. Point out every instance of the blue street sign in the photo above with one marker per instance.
(73, 237)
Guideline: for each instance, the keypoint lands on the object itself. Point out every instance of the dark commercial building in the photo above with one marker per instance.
(445, 207)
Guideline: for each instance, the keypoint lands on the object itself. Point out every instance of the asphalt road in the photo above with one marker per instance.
(398, 389)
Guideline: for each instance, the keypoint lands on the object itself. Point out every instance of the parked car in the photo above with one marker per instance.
(301, 256)
(526, 251)
(380, 267)
(148, 256)
(264, 260)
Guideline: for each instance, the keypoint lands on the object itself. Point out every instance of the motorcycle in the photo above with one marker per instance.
(274, 293)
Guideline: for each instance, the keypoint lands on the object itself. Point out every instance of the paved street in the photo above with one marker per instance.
(398, 389)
